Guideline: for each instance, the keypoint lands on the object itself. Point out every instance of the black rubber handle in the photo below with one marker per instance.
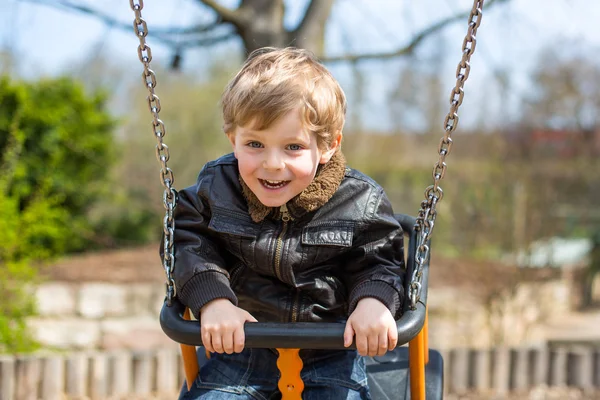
(299, 335)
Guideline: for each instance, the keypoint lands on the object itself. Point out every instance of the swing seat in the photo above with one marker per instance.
(389, 375)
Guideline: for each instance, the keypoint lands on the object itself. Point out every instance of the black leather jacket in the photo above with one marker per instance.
(294, 265)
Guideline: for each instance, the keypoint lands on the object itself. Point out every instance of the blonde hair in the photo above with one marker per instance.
(273, 82)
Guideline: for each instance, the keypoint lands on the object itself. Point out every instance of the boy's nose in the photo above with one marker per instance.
(273, 161)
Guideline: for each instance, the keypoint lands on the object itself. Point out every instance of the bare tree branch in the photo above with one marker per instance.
(208, 41)
(317, 12)
(165, 35)
(107, 19)
(307, 34)
(225, 14)
(312, 26)
(411, 46)
(67, 6)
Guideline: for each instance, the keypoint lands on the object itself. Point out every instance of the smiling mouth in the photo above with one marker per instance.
(273, 184)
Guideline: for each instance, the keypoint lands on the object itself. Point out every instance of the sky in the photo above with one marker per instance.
(48, 41)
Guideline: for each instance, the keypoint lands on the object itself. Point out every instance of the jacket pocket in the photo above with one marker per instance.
(328, 235)
(237, 235)
(321, 243)
(233, 224)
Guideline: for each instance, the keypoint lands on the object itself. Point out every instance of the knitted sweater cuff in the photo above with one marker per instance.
(378, 290)
(203, 288)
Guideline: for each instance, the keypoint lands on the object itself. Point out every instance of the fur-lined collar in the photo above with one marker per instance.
(326, 182)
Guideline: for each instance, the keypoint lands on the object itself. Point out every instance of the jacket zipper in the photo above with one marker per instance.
(285, 217)
(295, 306)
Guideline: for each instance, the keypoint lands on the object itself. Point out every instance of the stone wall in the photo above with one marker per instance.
(515, 316)
(99, 315)
(106, 316)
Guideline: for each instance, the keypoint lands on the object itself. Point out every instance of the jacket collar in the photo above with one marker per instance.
(324, 185)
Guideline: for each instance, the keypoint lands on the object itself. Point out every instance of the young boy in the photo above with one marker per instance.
(282, 231)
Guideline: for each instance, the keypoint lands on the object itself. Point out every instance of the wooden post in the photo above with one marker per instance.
(98, 376)
(558, 365)
(142, 374)
(120, 374)
(501, 380)
(481, 369)
(541, 365)
(596, 364)
(580, 366)
(167, 381)
(181, 378)
(520, 370)
(77, 374)
(27, 378)
(7, 378)
(53, 378)
(460, 370)
(416, 365)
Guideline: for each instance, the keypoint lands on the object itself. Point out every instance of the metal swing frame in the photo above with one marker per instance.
(412, 326)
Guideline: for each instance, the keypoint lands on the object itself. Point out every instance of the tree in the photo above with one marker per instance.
(23, 237)
(566, 92)
(561, 119)
(55, 151)
(62, 144)
(417, 99)
(257, 23)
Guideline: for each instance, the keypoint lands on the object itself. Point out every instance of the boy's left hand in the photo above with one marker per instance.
(374, 327)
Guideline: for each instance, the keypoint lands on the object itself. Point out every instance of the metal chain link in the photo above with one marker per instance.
(434, 194)
(162, 150)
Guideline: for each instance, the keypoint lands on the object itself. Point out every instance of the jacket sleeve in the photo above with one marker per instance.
(200, 273)
(375, 266)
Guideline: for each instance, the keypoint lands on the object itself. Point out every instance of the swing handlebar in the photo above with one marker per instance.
(303, 335)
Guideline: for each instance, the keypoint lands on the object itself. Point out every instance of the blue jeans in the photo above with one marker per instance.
(253, 375)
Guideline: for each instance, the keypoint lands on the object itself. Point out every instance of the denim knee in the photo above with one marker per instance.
(251, 374)
(335, 375)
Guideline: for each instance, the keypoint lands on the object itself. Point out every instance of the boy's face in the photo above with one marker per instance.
(279, 162)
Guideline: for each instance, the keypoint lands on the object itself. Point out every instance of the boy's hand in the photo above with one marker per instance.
(374, 327)
(222, 326)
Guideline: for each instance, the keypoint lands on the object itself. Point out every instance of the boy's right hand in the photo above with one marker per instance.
(222, 326)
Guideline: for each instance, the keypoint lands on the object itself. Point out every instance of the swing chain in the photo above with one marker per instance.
(434, 194)
(162, 150)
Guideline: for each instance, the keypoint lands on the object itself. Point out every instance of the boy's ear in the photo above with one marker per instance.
(335, 144)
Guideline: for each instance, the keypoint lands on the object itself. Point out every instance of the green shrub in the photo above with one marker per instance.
(55, 154)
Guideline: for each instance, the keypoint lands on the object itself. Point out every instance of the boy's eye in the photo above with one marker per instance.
(295, 147)
(254, 145)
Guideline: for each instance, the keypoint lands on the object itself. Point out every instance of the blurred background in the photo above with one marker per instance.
(516, 249)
